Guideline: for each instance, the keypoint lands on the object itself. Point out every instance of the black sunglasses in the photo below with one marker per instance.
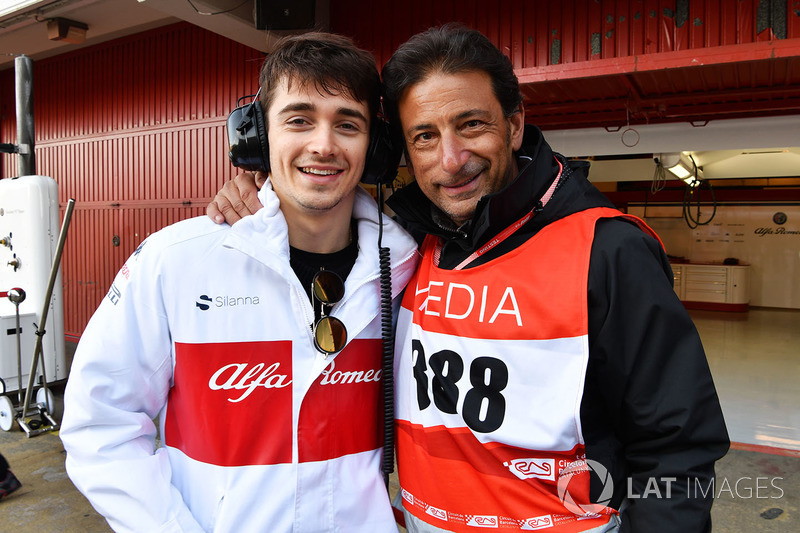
(330, 335)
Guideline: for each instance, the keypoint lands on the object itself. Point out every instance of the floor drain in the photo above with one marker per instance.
(769, 514)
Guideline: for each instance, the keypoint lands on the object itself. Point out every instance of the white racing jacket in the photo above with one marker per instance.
(207, 329)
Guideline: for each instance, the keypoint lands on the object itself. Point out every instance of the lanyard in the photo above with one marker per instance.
(503, 235)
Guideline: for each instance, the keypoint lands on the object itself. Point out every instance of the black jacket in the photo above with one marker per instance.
(649, 408)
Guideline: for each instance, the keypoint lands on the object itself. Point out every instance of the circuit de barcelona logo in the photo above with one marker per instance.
(533, 468)
(205, 302)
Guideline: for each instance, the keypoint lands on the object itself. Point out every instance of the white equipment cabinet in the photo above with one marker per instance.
(713, 286)
(29, 232)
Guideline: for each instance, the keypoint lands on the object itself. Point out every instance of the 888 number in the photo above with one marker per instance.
(484, 407)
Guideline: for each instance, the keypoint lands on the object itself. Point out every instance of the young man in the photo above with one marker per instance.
(208, 328)
(540, 339)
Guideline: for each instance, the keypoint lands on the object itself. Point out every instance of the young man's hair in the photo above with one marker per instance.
(449, 49)
(330, 63)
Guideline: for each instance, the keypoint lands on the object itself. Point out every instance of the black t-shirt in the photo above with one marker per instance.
(306, 264)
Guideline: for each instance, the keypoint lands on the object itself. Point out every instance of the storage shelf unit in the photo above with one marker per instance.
(713, 287)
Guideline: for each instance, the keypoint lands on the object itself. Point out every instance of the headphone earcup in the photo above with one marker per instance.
(263, 139)
(383, 155)
(248, 145)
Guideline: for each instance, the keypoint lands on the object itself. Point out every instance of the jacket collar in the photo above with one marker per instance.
(265, 237)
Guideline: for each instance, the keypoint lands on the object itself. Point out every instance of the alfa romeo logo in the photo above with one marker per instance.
(779, 218)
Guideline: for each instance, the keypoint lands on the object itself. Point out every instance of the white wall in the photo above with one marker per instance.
(732, 148)
(747, 232)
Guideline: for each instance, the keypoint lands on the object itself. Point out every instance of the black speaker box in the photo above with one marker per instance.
(285, 14)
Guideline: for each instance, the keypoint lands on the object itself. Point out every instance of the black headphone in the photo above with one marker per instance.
(248, 145)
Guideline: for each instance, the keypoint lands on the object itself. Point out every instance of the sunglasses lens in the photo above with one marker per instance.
(330, 335)
(328, 287)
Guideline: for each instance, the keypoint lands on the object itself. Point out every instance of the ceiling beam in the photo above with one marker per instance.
(695, 57)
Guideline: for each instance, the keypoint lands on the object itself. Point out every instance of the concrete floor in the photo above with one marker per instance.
(49, 503)
(757, 486)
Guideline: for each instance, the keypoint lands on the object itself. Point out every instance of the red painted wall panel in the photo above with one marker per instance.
(611, 63)
(584, 29)
(134, 130)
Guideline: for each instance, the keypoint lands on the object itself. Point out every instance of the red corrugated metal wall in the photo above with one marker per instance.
(134, 130)
(542, 33)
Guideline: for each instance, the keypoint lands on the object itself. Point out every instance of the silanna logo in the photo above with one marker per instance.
(205, 302)
(201, 302)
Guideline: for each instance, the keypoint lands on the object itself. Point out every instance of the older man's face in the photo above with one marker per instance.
(460, 144)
